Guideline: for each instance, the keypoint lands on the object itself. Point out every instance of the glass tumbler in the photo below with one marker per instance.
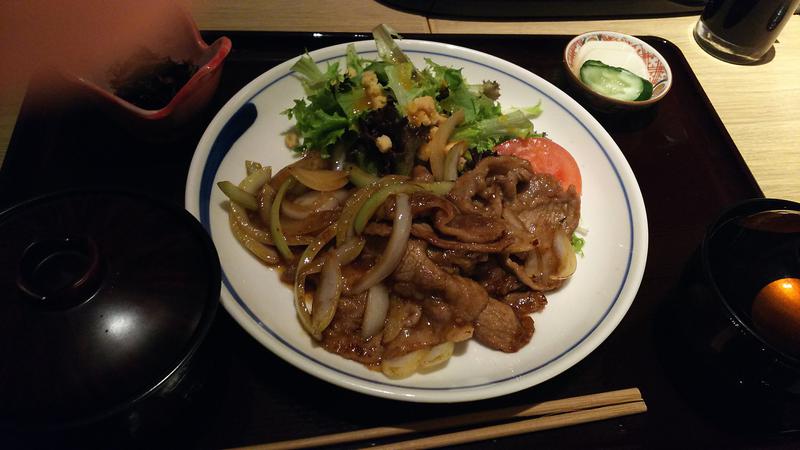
(742, 31)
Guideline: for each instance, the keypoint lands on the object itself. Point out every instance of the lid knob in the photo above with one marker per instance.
(60, 273)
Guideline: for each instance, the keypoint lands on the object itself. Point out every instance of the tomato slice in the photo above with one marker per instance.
(545, 156)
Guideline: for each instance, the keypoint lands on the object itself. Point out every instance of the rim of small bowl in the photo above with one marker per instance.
(629, 103)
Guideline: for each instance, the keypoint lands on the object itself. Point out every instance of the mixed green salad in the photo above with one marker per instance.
(381, 114)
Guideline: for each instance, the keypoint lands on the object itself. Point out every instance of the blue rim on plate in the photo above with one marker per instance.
(241, 112)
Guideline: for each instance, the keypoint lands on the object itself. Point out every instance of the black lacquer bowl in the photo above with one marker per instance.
(107, 298)
(723, 349)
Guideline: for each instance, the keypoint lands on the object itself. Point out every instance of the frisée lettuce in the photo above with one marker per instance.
(379, 113)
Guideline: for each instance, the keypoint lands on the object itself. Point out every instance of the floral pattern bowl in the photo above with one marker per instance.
(658, 71)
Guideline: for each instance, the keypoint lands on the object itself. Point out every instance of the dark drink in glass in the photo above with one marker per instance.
(742, 31)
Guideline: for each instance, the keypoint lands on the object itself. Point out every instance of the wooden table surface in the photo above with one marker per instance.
(757, 104)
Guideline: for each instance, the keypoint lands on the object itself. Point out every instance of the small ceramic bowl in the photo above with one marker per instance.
(181, 43)
(658, 71)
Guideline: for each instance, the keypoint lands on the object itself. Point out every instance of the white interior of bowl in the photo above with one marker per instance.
(659, 73)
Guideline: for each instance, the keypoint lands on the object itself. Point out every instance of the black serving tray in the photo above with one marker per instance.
(685, 162)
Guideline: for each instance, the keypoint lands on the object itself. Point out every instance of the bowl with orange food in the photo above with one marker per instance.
(743, 305)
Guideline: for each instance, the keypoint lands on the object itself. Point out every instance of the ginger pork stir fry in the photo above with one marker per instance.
(396, 272)
(418, 231)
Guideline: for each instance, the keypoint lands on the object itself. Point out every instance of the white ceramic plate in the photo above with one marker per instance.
(577, 318)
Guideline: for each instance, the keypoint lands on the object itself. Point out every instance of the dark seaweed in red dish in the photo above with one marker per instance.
(149, 81)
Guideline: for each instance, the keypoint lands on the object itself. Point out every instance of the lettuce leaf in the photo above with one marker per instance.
(320, 120)
(407, 84)
(354, 60)
(312, 77)
(318, 128)
(577, 244)
(484, 134)
(388, 49)
(336, 104)
(476, 107)
(456, 93)
(351, 101)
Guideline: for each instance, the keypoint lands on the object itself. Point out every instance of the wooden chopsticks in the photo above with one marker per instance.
(552, 414)
(520, 427)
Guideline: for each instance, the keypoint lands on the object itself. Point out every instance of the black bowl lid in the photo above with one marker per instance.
(104, 295)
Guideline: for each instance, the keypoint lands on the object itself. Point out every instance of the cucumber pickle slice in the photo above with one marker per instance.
(615, 82)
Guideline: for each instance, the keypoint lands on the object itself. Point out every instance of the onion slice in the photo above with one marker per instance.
(293, 210)
(394, 320)
(311, 202)
(375, 311)
(451, 161)
(310, 226)
(395, 248)
(403, 366)
(460, 333)
(275, 222)
(339, 159)
(567, 260)
(438, 354)
(310, 253)
(259, 234)
(322, 201)
(377, 199)
(257, 178)
(438, 142)
(436, 187)
(347, 253)
(265, 203)
(350, 250)
(252, 166)
(320, 180)
(303, 269)
(353, 205)
(311, 161)
(238, 195)
(262, 251)
(526, 279)
(327, 299)
(360, 177)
